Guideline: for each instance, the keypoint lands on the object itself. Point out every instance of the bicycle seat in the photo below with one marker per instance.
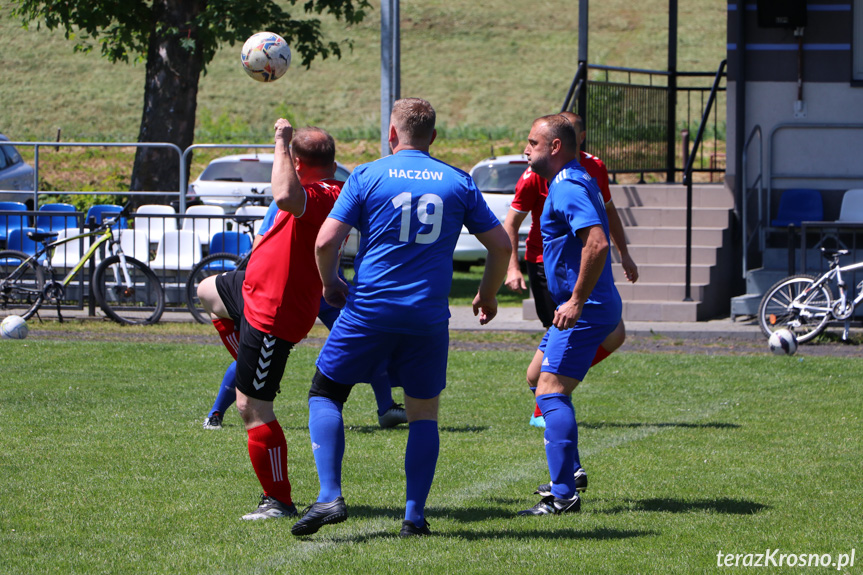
(832, 254)
(41, 236)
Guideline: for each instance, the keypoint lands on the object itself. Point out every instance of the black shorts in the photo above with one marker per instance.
(545, 306)
(230, 288)
(261, 357)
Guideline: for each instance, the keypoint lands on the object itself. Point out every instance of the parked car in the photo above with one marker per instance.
(16, 176)
(496, 178)
(226, 181)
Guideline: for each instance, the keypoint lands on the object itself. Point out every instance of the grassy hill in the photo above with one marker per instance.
(488, 67)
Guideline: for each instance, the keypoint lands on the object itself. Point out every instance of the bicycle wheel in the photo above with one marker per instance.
(209, 266)
(788, 304)
(140, 301)
(21, 290)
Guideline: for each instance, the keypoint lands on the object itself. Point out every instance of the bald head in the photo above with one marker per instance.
(551, 145)
(560, 128)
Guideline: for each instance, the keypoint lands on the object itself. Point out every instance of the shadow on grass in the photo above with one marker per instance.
(723, 505)
(368, 429)
(684, 425)
(527, 527)
(378, 429)
(551, 533)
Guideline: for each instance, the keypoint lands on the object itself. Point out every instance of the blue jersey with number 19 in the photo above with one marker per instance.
(409, 209)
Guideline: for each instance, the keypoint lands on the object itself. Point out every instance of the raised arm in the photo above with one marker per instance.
(497, 242)
(288, 192)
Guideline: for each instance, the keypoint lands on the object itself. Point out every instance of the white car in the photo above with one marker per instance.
(496, 178)
(228, 180)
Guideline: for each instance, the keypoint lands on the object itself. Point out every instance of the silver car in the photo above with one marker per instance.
(16, 176)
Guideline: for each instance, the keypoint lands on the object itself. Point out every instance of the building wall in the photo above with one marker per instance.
(828, 159)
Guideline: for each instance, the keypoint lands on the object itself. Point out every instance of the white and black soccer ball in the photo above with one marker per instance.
(13, 327)
(266, 56)
(783, 342)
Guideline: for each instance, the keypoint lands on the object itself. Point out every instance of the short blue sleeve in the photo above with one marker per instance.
(348, 204)
(478, 217)
(577, 207)
(269, 218)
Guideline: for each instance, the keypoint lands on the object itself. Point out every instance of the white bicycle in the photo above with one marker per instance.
(805, 304)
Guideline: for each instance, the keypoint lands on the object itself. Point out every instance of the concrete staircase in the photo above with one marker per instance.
(654, 219)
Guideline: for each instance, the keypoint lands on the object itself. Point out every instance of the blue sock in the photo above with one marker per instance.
(227, 392)
(561, 442)
(420, 461)
(383, 392)
(327, 431)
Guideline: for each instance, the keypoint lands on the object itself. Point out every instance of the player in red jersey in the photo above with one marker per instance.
(275, 304)
(530, 194)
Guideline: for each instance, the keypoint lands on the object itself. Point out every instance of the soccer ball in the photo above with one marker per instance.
(783, 342)
(266, 56)
(13, 327)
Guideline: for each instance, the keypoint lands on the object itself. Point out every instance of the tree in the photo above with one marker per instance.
(177, 39)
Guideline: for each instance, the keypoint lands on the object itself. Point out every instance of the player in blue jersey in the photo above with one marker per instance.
(409, 209)
(390, 413)
(575, 240)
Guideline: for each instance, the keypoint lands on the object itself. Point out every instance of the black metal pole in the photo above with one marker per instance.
(740, 106)
(672, 91)
(687, 295)
(582, 57)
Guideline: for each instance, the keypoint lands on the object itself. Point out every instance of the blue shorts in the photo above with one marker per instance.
(570, 352)
(417, 363)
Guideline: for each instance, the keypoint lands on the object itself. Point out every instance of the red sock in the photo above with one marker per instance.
(601, 353)
(227, 331)
(268, 451)
(537, 412)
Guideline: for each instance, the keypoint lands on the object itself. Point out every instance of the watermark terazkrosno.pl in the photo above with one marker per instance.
(776, 558)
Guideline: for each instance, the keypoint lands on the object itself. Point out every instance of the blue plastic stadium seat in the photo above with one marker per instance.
(50, 222)
(797, 205)
(9, 222)
(100, 212)
(18, 240)
(231, 242)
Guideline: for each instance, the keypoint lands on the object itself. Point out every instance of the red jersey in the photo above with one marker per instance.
(531, 191)
(282, 289)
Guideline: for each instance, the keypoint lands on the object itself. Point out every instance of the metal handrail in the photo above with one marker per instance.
(759, 181)
(687, 177)
(37, 145)
(575, 88)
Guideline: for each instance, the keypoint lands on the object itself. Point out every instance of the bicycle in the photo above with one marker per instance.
(214, 264)
(126, 289)
(805, 304)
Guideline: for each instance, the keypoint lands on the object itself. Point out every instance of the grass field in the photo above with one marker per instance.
(105, 467)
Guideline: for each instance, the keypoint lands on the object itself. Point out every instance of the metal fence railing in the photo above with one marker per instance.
(170, 244)
(633, 118)
(628, 126)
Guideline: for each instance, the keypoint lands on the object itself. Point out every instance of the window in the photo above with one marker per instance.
(857, 42)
